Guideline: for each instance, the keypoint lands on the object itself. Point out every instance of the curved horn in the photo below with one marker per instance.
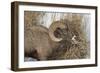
(53, 27)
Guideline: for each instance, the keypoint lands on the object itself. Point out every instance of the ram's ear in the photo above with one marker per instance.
(53, 27)
(58, 32)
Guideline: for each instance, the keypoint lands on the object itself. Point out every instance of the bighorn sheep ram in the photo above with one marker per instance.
(40, 41)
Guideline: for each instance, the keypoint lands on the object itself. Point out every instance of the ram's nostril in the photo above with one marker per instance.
(33, 54)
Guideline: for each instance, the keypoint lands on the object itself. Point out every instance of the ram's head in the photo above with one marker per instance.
(60, 30)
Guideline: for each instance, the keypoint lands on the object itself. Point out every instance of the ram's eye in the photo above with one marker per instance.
(58, 32)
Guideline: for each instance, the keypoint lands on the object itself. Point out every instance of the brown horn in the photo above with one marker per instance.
(53, 27)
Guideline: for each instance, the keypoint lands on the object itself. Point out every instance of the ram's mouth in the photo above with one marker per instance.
(32, 56)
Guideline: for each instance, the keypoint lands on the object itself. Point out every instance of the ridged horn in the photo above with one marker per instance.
(53, 27)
